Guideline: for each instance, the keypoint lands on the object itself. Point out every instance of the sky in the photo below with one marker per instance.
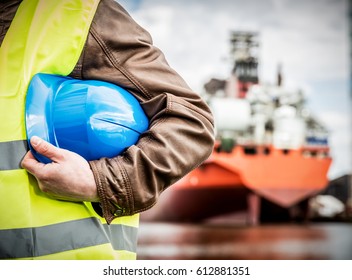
(308, 38)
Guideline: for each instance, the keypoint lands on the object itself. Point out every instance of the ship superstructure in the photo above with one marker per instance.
(269, 145)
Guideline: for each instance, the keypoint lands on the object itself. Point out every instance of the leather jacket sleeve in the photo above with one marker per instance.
(180, 136)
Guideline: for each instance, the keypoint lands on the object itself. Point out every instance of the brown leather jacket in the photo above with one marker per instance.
(180, 135)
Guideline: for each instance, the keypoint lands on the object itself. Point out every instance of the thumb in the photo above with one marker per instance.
(46, 149)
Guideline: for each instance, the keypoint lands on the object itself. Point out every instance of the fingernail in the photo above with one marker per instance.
(35, 140)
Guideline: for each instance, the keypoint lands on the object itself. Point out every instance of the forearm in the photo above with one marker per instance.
(173, 146)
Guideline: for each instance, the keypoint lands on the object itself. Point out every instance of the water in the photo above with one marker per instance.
(318, 241)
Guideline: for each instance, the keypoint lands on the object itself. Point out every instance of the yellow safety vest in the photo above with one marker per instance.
(47, 36)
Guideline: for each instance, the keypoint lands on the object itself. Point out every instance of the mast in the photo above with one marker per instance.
(244, 53)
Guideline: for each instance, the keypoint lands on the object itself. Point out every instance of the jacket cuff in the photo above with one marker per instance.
(112, 206)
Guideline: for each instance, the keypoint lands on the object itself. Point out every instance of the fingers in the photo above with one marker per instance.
(46, 149)
(31, 164)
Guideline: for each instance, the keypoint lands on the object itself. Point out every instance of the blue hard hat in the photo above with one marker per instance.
(92, 118)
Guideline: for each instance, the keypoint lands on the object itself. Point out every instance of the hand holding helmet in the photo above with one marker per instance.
(67, 177)
(70, 122)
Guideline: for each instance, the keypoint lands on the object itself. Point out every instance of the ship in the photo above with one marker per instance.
(270, 149)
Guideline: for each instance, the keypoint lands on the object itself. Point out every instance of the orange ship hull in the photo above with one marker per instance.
(284, 177)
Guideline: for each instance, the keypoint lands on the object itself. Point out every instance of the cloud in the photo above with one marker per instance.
(309, 38)
(130, 5)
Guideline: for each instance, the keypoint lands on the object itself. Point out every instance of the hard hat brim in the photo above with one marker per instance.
(39, 101)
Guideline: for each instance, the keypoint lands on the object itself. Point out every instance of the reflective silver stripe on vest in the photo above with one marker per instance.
(41, 241)
(12, 153)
